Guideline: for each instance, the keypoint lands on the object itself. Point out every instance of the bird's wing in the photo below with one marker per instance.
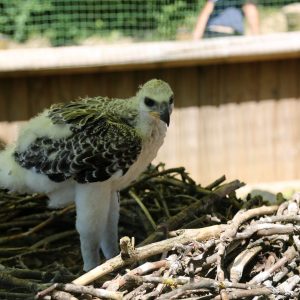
(79, 113)
(99, 146)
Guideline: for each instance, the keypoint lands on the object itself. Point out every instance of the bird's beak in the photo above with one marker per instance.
(164, 114)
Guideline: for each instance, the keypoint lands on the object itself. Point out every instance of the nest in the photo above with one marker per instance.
(190, 242)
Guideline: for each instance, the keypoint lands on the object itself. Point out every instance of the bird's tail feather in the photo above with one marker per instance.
(18, 179)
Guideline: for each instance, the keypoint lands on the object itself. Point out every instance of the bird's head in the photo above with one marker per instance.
(156, 100)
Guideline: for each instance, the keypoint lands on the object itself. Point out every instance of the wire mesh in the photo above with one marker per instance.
(68, 22)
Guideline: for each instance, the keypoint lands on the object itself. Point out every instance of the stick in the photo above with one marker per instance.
(194, 208)
(147, 267)
(148, 251)
(38, 227)
(186, 236)
(238, 294)
(101, 293)
(215, 183)
(289, 255)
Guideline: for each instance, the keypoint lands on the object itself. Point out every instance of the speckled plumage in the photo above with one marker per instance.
(102, 142)
(86, 151)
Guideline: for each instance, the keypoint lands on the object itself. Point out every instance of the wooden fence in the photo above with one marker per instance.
(237, 100)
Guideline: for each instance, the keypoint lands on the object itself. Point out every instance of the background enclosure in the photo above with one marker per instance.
(237, 99)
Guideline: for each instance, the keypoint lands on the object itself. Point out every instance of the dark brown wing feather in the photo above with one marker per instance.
(92, 153)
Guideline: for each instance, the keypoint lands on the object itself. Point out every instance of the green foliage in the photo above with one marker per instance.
(65, 22)
(16, 14)
(169, 18)
(276, 3)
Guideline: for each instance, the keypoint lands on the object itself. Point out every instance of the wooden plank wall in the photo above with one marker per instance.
(239, 119)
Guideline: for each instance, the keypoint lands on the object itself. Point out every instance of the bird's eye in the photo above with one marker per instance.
(149, 102)
(171, 100)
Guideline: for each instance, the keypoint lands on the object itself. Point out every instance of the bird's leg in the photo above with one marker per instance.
(92, 207)
(109, 239)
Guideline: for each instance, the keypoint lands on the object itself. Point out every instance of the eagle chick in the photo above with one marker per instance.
(86, 151)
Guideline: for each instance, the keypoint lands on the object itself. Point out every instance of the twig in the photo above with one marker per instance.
(148, 251)
(289, 255)
(34, 252)
(231, 232)
(37, 228)
(24, 274)
(140, 290)
(238, 294)
(53, 238)
(197, 263)
(18, 224)
(61, 295)
(216, 183)
(239, 263)
(243, 216)
(156, 174)
(143, 207)
(14, 296)
(284, 218)
(288, 285)
(194, 208)
(267, 229)
(158, 290)
(101, 293)
(154, 279)
(145, 268)
(6, 280)
(4, 252)
(206, 283)
(202, 284)
(166, 245)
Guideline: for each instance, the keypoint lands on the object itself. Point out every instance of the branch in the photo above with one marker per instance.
(186, 236)
(194, 208)
(148, 251)
(288, 256)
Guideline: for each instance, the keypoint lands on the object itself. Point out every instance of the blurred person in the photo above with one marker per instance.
(226, 18)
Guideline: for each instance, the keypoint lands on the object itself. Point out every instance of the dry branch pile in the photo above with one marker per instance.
(252, 255)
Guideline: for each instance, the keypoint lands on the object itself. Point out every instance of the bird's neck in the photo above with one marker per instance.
(143, 123)
(147, 126)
